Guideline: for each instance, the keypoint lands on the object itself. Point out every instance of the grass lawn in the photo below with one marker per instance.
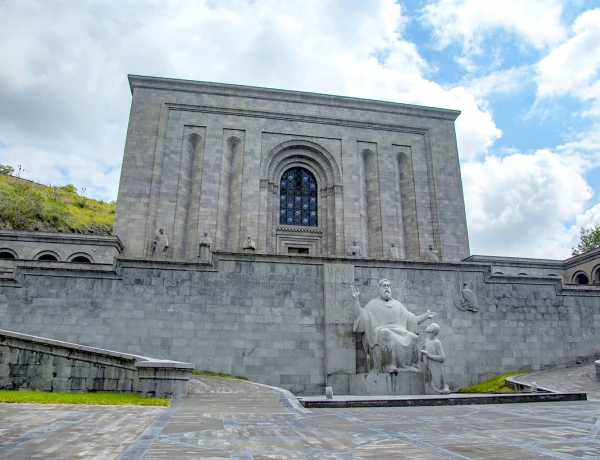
(493, 385)
(214, 374)
(25, 205)
(109, 399)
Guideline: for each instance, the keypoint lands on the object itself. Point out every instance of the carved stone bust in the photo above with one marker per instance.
(354, 250)
(249, 245)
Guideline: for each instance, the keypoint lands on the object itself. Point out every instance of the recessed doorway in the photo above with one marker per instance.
(297, 250)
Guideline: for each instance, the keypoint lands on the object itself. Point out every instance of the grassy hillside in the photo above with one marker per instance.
(25, 205)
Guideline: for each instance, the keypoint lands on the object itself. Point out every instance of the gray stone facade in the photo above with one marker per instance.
(210, 157)
(264, 316)
(581, 269)
(206, 157)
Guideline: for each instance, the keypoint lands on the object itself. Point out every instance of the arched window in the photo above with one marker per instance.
(298, 198)
(48, 257)
(581, 278)
(81, 260)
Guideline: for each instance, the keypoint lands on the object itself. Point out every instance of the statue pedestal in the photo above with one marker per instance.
(402, 383)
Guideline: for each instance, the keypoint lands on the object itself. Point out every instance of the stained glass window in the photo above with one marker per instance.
(298, 198)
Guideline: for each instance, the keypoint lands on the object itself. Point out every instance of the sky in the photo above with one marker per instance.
(524, 73)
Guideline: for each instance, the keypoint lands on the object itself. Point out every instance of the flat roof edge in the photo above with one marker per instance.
(141, 81)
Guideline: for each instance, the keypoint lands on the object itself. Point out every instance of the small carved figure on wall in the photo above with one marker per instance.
(432, 254)
(205, 249)
(469, 300)
(433, 357)
(249, 245)
(390, 331)
(394, 253)
(354, 250)
(160, 245)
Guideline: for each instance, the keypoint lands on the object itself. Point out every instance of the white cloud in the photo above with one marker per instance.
(587, 220)
(537, 22)
(500, 81)
(573, 68)
(64, 98)
(521, 204)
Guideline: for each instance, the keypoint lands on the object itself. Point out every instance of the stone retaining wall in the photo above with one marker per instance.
(36, 363)
(263, 316)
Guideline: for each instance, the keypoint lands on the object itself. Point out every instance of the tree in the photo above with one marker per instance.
(588, 240)
(6, 169)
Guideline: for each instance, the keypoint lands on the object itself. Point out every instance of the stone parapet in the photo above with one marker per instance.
(36, 363)
(63, 247)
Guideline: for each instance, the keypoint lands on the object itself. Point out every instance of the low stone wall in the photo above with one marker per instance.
(24, 245)
(36, 363)
(287, 321)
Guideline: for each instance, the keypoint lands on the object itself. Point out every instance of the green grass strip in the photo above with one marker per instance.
(108, 399)
(493, 385)
(214, 374)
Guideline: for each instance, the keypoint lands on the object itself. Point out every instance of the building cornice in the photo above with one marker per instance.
(62, 238)
(223, 89)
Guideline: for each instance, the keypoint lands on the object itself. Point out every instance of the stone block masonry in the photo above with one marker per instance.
(36, 363)
(212, 157)
(263, 316)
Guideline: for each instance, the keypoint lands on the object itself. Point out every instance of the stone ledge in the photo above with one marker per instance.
(449, 400)
(63, 238)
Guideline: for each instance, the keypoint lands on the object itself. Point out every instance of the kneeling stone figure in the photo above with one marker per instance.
(433, 357)
(390, 331)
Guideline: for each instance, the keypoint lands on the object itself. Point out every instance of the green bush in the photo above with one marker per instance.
(69, 188)
(494, 385)
(6, 169)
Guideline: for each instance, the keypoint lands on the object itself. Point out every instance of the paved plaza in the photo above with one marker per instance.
(231, 419)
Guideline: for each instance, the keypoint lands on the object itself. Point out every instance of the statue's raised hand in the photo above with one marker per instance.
(354, 292)
(431, 314)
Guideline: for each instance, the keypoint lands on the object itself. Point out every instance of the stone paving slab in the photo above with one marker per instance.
(580, 378)
(29, 431)
(237, 420)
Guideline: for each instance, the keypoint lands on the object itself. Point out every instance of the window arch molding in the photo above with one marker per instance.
(595, 274)
(579, 277)
(8, 251)
(311, 151)
(327, 173)
(47, 253)
(80, 254)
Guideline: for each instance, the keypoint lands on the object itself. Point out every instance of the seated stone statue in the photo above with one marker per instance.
(390, 331)
(432, 254)
(433, 357)
(249, 245)
(354, 250)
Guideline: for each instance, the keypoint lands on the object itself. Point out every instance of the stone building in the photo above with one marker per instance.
(333, 192)
(300, 172)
